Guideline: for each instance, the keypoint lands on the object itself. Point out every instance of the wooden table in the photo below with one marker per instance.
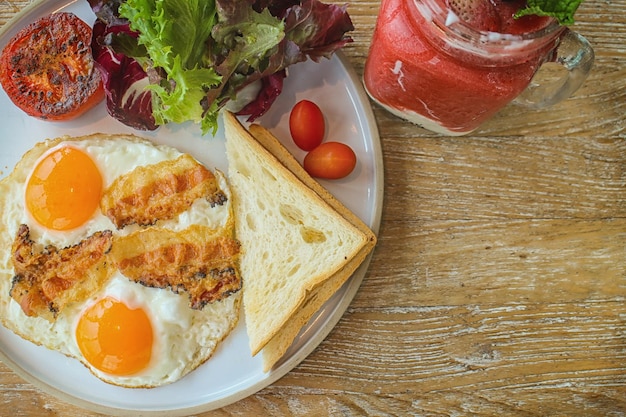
(498, 286)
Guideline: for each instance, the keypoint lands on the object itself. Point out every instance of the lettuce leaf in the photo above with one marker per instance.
(197, 54)
(174, 34)
(271, 87)
(123, 77)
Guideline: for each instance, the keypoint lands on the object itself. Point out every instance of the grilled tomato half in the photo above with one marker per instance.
(48, 69)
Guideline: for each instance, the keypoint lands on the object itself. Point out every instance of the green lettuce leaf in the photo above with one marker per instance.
(562, 10)
(250, 39)
(174, 33)
(182, 103)
(196, 55)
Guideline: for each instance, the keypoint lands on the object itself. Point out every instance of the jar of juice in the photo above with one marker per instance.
(450, 74)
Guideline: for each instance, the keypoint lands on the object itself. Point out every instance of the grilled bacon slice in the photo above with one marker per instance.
(46, 281)
(159, 192)
(199, 261)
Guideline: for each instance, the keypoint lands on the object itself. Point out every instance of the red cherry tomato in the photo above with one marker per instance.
(306, 124)
(330, 160)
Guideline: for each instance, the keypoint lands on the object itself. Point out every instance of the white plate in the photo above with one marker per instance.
(232, 373)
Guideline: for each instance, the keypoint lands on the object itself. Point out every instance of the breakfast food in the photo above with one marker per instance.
(329, 160)
(48, 71)
(299, 243)
(307, 125)
(119, 253)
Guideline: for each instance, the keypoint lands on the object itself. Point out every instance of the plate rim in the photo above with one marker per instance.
(351, 286)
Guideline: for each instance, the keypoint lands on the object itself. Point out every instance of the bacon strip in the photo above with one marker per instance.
(204, 265)
(45, 282)
(159, 192)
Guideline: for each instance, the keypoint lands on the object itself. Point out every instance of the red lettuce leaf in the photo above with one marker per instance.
(312, 30)
(318, 28)
(272, 86)
(124, 80)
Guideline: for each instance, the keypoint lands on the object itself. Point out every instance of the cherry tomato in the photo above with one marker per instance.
(306, 124)
(330, 160)
(48, 71)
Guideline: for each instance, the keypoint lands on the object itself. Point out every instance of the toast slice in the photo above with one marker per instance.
(299, 243)
(278, 345)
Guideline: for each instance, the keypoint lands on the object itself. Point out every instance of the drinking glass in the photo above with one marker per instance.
(433, 69)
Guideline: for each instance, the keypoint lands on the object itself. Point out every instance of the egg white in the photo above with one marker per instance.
(181, 337)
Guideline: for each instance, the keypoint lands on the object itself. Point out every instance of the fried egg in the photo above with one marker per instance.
(126, 333)
(67, 181)
(132, 335)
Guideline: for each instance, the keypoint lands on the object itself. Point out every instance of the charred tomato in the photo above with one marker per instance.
(48, 71)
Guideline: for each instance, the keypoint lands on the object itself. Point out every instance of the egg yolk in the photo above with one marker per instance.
(64, 189)
(114, 338)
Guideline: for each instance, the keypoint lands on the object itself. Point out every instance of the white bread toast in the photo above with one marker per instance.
(299, 243)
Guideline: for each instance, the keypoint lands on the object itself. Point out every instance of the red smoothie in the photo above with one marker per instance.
(421, 69)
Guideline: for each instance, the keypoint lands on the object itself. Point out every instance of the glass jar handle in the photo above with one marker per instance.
(574, 55)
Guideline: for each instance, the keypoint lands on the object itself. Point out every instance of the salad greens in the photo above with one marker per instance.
(178, 60)
(562, 10)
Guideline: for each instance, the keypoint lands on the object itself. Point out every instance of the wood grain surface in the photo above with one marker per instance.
(498, 286)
